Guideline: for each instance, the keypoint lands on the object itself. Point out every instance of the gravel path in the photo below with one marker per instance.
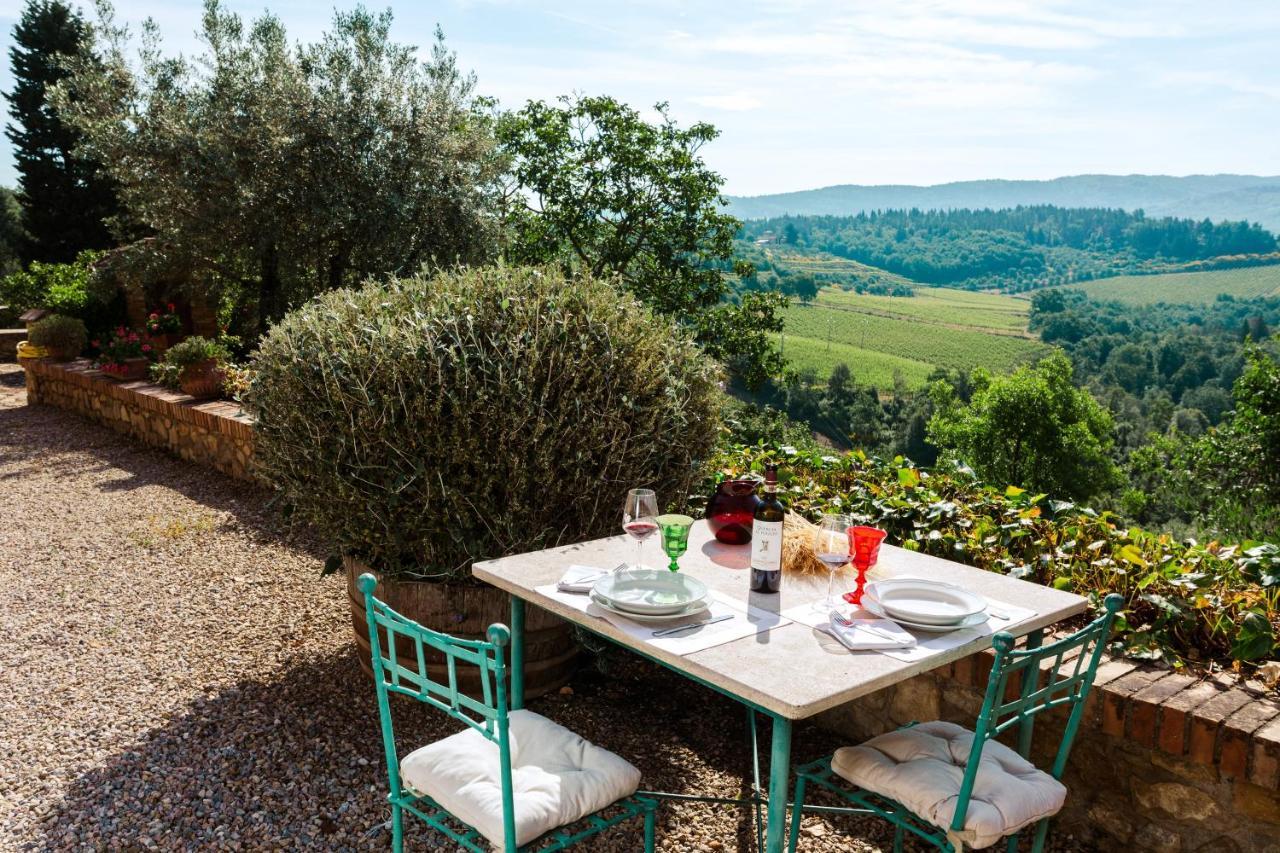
(176, 675)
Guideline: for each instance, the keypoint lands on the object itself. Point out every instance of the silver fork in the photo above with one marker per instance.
(845, 622)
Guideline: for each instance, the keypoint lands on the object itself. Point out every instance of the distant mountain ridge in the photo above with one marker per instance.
(1217, 197)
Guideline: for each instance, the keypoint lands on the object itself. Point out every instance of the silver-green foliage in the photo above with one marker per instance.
(283, 169)
(432, 421)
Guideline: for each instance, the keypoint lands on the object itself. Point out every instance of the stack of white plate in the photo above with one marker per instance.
(925, 605)
(650, 595)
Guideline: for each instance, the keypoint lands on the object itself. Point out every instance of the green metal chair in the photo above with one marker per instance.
(936, 765)
(481, 756)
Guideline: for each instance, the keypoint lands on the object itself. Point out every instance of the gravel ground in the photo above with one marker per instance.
(176, 675)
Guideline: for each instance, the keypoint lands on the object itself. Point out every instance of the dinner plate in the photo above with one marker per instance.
(689, 610)
(653, 592)
(926, 602)
(872, 606)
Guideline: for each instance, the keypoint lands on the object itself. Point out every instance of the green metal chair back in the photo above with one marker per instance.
(487, 715)
(1037, 688)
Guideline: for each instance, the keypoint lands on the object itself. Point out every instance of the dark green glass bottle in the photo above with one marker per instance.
(766, 537)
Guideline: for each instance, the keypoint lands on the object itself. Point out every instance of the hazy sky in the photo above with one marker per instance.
(893, 91)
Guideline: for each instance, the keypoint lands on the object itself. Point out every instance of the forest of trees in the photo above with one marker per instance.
(1020, 248)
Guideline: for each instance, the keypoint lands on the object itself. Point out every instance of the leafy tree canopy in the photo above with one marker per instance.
(600, 189)
(281, 170)
(1032, 428)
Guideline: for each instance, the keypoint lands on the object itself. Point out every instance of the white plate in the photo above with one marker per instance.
(650, 591)
(872, 606)
(689, 610)
(926, 602)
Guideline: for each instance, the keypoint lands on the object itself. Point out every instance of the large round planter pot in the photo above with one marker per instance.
(550, 652)
(61, 354)
(202, 380)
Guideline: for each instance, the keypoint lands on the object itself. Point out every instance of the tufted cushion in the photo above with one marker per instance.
(556, 776)
(922, 767)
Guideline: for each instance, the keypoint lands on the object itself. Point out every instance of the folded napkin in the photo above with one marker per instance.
(870, 634)
(580, 579)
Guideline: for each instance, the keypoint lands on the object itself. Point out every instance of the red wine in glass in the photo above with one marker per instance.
(642, 530)
(834, 561)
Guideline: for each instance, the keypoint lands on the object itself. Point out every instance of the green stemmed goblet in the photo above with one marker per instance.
(675, 537)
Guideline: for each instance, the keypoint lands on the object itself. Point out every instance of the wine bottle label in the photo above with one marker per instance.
(766, 546)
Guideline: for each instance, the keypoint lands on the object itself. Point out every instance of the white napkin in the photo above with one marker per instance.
(580, 579)
(873, 634)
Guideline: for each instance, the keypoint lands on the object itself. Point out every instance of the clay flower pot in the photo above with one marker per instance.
(202, 380)
(129, 370)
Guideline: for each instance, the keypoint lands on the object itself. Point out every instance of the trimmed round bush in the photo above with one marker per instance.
(436, 420)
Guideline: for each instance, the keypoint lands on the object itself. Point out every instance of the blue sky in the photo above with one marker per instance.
(809, 94)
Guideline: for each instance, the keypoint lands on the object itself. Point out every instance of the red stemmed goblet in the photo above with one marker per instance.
(864, 548)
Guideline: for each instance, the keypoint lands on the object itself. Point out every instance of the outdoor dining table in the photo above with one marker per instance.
(786, 673)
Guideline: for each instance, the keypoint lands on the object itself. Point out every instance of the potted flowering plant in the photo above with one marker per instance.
(164, 328)
(125, 355)
(196, 366)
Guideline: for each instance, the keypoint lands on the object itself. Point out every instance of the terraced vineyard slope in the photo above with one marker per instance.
(1187, 287)
(878, 336)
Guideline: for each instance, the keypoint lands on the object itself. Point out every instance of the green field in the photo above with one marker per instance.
(1185, 287)
(876, 335)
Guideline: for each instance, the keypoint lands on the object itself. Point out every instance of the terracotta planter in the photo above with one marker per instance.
(160, 343)
(550, 655)
(202, 380)
(130, 370)
(61, 354)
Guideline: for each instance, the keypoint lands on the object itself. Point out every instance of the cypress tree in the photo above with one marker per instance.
(64, 200)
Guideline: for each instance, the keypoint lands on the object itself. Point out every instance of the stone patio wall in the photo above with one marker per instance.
(218, 433)
(1163, 761)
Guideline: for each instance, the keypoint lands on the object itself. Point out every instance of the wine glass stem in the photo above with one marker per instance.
(831, 582)
(639, 551)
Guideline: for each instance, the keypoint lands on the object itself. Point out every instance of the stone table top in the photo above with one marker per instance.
(794, 670)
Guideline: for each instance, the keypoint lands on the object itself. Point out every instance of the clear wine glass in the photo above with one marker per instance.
(831, 545)
(640, 519)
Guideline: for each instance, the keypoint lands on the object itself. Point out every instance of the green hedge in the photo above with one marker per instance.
(433, 421)
(1209, 603)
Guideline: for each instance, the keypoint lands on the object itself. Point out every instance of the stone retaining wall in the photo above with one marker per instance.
(1163, 761)
(217, 434)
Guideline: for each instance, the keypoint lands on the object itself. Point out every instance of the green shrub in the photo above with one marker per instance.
(56, 332)
(63, 288)
(192, 350)
(433, 421)
(1208, 603)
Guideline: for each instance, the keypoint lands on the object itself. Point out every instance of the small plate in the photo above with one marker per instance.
(652, 592)
(689, 610)
(874, 607)
(926, 602)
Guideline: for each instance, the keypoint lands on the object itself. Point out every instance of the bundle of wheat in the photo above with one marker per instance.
(797, 547)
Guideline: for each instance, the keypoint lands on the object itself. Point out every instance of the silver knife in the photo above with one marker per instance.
(666, 632)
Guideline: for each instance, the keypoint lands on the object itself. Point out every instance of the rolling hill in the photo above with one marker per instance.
(1185, 288)
(1216, 197)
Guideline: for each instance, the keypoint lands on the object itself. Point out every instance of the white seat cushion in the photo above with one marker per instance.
(922, 767)
(557, 777)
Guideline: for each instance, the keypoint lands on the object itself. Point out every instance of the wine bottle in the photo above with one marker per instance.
(766, 537)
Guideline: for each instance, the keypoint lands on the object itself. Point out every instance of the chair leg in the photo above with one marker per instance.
(397, 829)
(897, 838)
(797, 812)
(1011, 843)
(1042, 832)
(650, 818)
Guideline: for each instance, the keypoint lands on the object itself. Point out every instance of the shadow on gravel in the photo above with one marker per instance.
(295, 761)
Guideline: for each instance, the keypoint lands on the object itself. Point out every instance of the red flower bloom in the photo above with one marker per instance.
(146, 347)
(171, 308)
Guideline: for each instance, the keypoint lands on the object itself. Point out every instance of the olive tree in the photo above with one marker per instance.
(284, 170)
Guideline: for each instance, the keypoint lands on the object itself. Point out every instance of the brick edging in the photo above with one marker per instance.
(1213, 721)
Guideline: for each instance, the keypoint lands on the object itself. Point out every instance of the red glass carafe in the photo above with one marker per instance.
(730, 511)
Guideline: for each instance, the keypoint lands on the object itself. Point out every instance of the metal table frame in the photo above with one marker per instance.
(772, 836)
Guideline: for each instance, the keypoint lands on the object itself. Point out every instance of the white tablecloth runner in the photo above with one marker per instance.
(746, 622)
(926, 643)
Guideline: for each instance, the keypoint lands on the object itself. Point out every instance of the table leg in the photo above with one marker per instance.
(517, 653)
(779, 785)
(1030, 681)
